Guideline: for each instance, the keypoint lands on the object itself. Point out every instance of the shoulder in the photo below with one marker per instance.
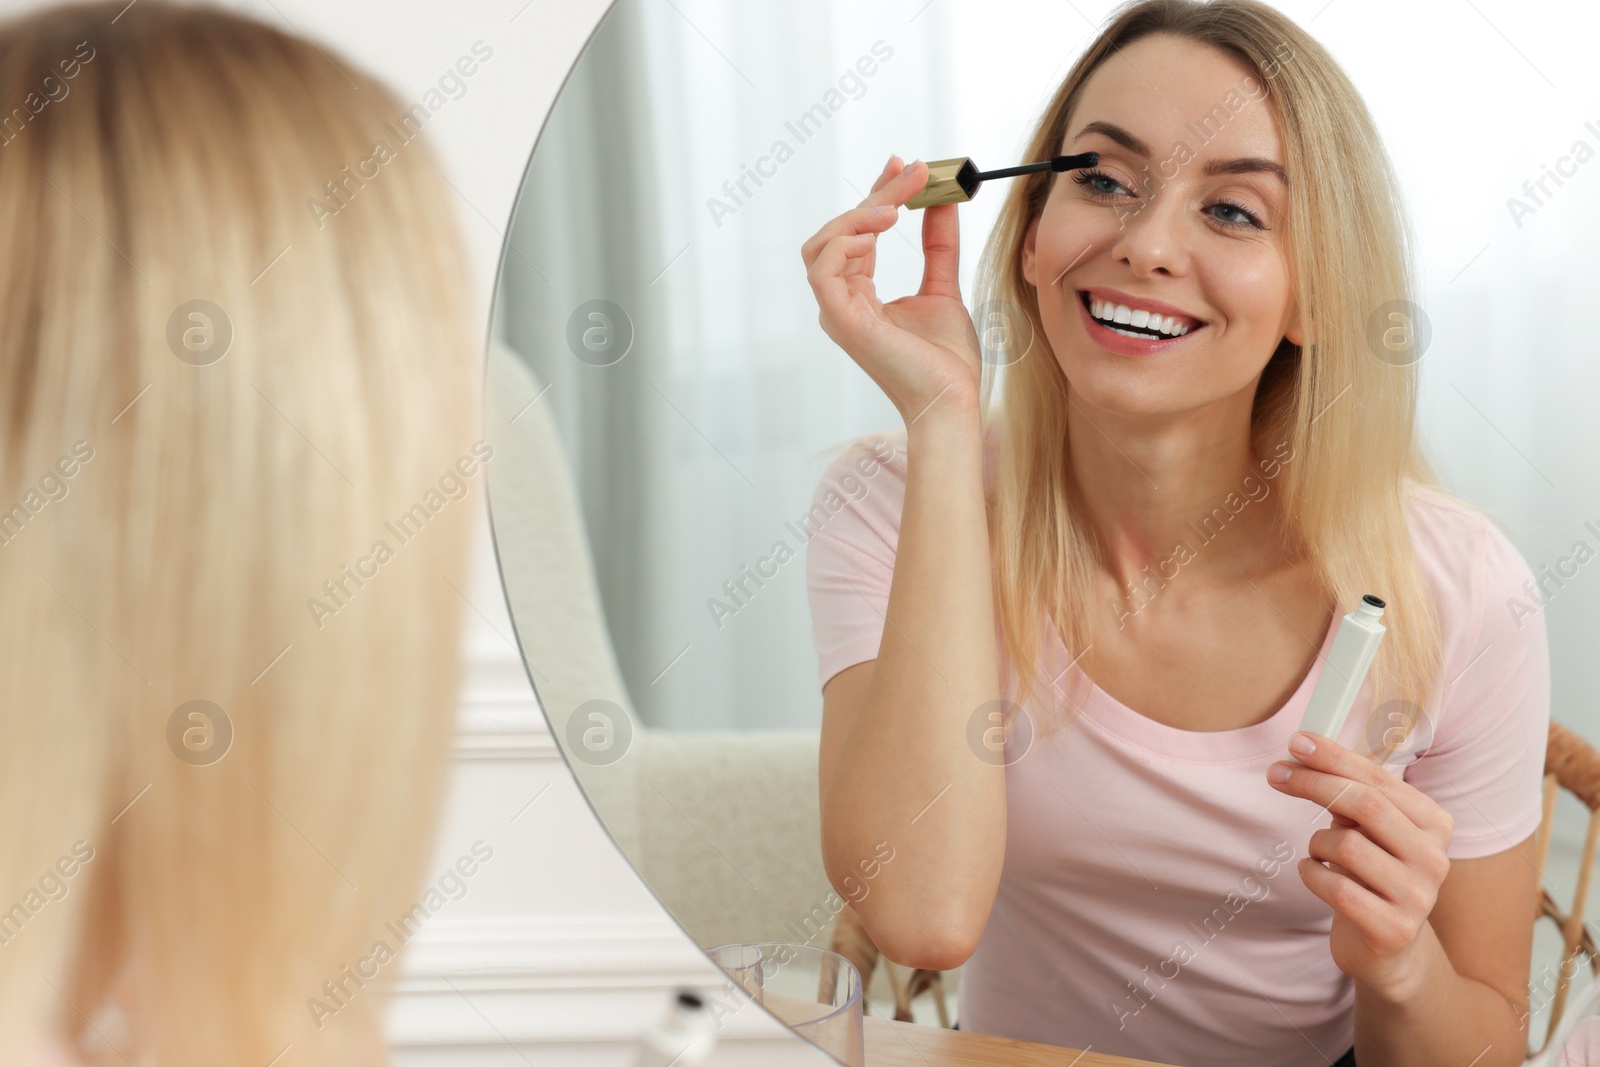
(860, 491)
(1479, 578)
(864, 480)
(865, 456)
(852, 524)
(1482, 758)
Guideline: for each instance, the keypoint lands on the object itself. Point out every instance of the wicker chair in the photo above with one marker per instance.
(1570, 763)
(850, 940)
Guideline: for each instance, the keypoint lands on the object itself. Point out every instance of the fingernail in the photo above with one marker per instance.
(1278, 773)
(1302, 744)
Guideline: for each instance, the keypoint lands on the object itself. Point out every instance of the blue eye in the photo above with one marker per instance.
(1248, 220)
(1089, 180)
(1084, 177)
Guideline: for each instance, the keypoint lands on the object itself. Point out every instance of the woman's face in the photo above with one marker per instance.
(1185, 215)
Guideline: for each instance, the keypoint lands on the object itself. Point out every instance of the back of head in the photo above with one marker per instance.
(238, 390)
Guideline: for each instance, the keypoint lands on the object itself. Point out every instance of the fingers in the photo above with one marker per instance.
(876, 213)
(829, 278)
(864, 264)
(1355, 855)
(1349, 898)
(941, 236)
(890, 169)
(897, 184)
(941, 251)
(1367, 807)
(1417, 807)
(827, 274)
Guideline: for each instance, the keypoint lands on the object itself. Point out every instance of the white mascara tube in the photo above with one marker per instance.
(1354, 647)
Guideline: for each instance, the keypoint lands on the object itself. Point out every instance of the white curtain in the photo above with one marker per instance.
(695, 450)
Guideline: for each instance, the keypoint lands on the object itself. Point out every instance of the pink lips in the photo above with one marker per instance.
(1122, 343)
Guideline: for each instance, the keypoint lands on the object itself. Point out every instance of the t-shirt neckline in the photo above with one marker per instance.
(1269, 736)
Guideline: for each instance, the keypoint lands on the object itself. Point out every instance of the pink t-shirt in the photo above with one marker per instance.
(1149, 904)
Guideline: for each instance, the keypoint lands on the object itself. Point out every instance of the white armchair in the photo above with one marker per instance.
(710, 820)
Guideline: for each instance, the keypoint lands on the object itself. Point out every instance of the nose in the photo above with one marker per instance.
(1153, 239)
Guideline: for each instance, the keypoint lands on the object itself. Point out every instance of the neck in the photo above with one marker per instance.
(1152, 487)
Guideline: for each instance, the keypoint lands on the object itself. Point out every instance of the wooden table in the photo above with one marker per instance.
(896, 1044)
(893, 1044)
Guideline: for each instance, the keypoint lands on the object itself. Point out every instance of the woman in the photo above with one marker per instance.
(226, 714)
(1150, 548)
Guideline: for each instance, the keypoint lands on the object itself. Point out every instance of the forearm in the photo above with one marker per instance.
(1442, 1019)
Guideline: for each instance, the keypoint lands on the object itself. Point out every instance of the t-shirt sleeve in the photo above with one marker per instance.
(852, 530)
(1485, 765)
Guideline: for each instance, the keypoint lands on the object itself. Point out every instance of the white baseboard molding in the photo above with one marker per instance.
(530, 981)
(498, 716)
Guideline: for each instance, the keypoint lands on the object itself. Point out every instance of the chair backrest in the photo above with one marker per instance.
(710, 820)
(1570, 763)
(731, 834)
(549, 575)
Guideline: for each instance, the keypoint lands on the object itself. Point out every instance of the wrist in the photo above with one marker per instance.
(1406, 979)
(947, 416)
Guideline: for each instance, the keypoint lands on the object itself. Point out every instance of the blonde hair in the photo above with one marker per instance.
(1343, 492)
(156, 157)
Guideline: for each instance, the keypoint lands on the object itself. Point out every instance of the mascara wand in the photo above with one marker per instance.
(955, 181)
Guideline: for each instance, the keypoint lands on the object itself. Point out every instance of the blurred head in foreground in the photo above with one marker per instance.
(238, 392)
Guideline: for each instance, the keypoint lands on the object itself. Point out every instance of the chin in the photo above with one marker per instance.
(1110, 383)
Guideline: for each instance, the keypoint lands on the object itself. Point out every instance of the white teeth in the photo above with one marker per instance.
(1108, 312)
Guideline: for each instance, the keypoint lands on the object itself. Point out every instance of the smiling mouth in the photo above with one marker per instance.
(1141, 324)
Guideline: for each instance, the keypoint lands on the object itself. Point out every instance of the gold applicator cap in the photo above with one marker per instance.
(955, 181)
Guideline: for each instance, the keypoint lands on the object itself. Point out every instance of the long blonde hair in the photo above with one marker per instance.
(217, 400)
(1344, 485)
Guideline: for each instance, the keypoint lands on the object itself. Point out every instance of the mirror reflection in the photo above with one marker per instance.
(941, 586)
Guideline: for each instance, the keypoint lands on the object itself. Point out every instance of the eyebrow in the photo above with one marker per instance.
(1245, 165)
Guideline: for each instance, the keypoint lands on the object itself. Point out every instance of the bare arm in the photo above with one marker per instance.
(895, 761)
(895, 765)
